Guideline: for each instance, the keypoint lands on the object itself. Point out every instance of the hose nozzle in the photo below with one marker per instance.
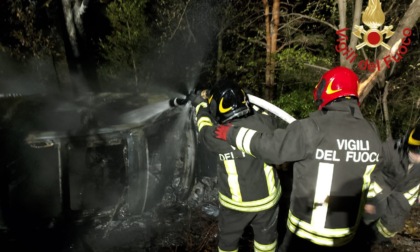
(175, 102)
(178, 101)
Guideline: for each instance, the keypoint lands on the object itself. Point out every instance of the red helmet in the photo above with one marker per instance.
(337, 82)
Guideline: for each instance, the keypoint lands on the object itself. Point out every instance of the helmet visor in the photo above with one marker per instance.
(233, 99)
(414, 149)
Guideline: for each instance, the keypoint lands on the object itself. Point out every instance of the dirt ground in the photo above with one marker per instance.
(193, 229)
(171, 226)
(408, 240)
(204, 239)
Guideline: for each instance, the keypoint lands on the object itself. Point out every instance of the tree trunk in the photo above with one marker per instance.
(133, 60)
(271, 32)
(398, 39)
(385, 109)
(342, 13)
(70, 44)
(353, 39)
(83, 75)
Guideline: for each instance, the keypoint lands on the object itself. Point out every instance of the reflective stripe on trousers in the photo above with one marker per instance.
(321, 236)
(265, 247)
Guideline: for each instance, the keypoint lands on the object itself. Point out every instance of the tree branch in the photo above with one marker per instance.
(314, 19)
(180, 19)
(316, 67)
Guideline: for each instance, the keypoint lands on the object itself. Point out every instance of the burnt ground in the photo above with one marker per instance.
(173, 225)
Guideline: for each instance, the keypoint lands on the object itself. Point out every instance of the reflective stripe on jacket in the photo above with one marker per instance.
(334, 153)
(245, 183)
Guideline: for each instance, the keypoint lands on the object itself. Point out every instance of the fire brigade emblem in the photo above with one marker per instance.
(373, 17)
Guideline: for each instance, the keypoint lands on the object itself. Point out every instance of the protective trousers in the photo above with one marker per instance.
(233, 223)
(293, 243)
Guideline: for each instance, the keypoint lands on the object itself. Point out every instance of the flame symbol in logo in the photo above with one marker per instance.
(373, 17)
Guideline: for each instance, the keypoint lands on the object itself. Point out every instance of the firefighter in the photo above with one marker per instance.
(334, 151)
(249, 189)
(396, 186)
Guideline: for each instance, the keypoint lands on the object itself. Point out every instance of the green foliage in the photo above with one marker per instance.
(296, 79)
(298, 103)
(128, 42)
(168, 20)
(300, 45)
(29, 31)
(325, 10)
(240, 24)
(295, 60)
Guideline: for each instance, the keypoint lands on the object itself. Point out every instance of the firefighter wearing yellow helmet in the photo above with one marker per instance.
(249, 188)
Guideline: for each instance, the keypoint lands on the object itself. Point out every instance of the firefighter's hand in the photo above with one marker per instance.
(222, 130)
(196, 99)
(370, 209)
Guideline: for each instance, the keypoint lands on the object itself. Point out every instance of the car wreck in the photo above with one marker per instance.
(98, 159)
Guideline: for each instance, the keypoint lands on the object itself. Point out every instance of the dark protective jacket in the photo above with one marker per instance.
(334, 152)
(245, 183)
(395, 189)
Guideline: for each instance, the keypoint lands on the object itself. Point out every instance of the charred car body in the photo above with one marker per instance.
(64, 156)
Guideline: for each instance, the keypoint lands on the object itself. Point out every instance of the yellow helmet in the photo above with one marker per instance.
(413, 140)
(228, 101)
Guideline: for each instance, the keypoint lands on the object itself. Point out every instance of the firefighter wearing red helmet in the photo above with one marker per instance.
(336, 83)
(396, 186)
(249, 188)
(334, 151)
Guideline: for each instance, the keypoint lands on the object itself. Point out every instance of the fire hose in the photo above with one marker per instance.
(252, 99)
(271, 108)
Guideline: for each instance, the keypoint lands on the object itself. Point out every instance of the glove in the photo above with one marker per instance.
(222, 130)
(196, 99)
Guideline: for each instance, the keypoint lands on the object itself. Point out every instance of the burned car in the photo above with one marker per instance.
(63, 156)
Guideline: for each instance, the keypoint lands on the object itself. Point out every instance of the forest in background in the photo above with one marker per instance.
(275, 49)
